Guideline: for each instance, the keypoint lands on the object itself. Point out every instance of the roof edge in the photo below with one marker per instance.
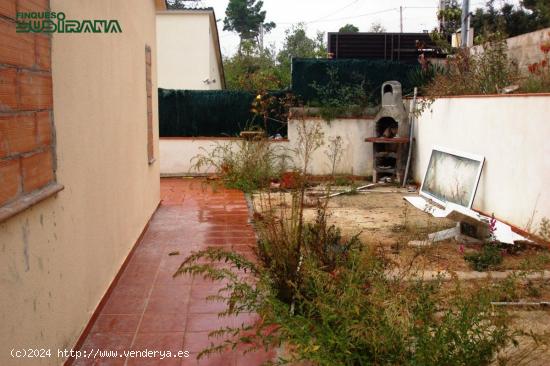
(215, 34)
(186, 11)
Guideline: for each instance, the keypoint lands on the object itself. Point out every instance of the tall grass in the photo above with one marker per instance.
(330, 300)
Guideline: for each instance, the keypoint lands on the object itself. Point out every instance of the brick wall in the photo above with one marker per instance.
(27, 151)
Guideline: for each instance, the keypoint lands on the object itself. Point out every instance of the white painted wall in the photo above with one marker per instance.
(215, 72)
(175, 153)
(524, 49)
(186, 51)
(356, 153)
(512, 133)
(60, 256)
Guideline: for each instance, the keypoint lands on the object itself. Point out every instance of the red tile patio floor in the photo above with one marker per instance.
(148, 308)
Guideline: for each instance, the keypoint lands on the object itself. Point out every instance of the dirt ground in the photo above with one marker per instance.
(381, 217)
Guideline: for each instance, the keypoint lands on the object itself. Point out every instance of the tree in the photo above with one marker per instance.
(298, 44)
(450, 18)
(182, 4)
(252, 69)
(540, 9)
(246, 18)
(510, 20)
(255, 69)
(377, 28)
(348, 28)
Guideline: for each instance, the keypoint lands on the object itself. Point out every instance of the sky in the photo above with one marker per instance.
(329, 16)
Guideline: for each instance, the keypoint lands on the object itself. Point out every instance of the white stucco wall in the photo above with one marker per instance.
(356, 153)
(186, 51)
(59, 257)
(215, 72)
(512, 133)
(524, 49)
(175, 153)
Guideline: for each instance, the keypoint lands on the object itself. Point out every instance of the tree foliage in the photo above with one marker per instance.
(348, 28)
(510, 20)
(252, 69)
(377, 28)
(449, 18)
(246, 18)
(182, 4)
(256, 69)
(298, 44)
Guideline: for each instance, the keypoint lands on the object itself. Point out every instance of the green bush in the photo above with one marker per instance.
(339, 99)
(466, 74)
(331, 300)
(369, 74)
(334, 302)
(246, 165)
(489, 257)
(355, 314)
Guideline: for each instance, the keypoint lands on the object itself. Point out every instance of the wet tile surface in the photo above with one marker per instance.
(151, 310)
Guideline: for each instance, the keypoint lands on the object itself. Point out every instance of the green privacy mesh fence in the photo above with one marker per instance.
(213, 113)
(350, 71)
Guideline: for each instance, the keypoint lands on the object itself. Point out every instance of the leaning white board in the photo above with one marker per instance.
(451, 181)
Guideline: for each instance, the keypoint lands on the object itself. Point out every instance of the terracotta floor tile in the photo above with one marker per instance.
(100, 362)
(224, 359)
(171, 313)
(160, 342)
(245, 319)
(153, 322)
(241, 241)
(137, 278)
(108, 342)
(207, 322)
(214, 241)
(195, 342)
(166, 277)
(177, 292)
(127, 300)
(257, 358)
(173, 262)
(163, 341)
(202, 288)
(167, 305)
(200, 306)
(121, 323)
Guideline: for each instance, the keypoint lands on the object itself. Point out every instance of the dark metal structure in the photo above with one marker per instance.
(400, 47)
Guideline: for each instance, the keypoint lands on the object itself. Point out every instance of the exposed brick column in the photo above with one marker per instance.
(27, 151)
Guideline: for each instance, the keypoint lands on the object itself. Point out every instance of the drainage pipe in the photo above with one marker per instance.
(411, 133)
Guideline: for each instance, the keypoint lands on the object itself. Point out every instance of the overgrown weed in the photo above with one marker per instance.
(335, 301)
(245, 164)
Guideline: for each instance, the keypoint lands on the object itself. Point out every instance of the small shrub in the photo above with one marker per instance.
(544, 229)
(342, 181)
(490, 256)
(538, 79)
(337, 99)
(486, 73)
(423, 76)
(355, 314)
(246, 165)
(333, 301)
